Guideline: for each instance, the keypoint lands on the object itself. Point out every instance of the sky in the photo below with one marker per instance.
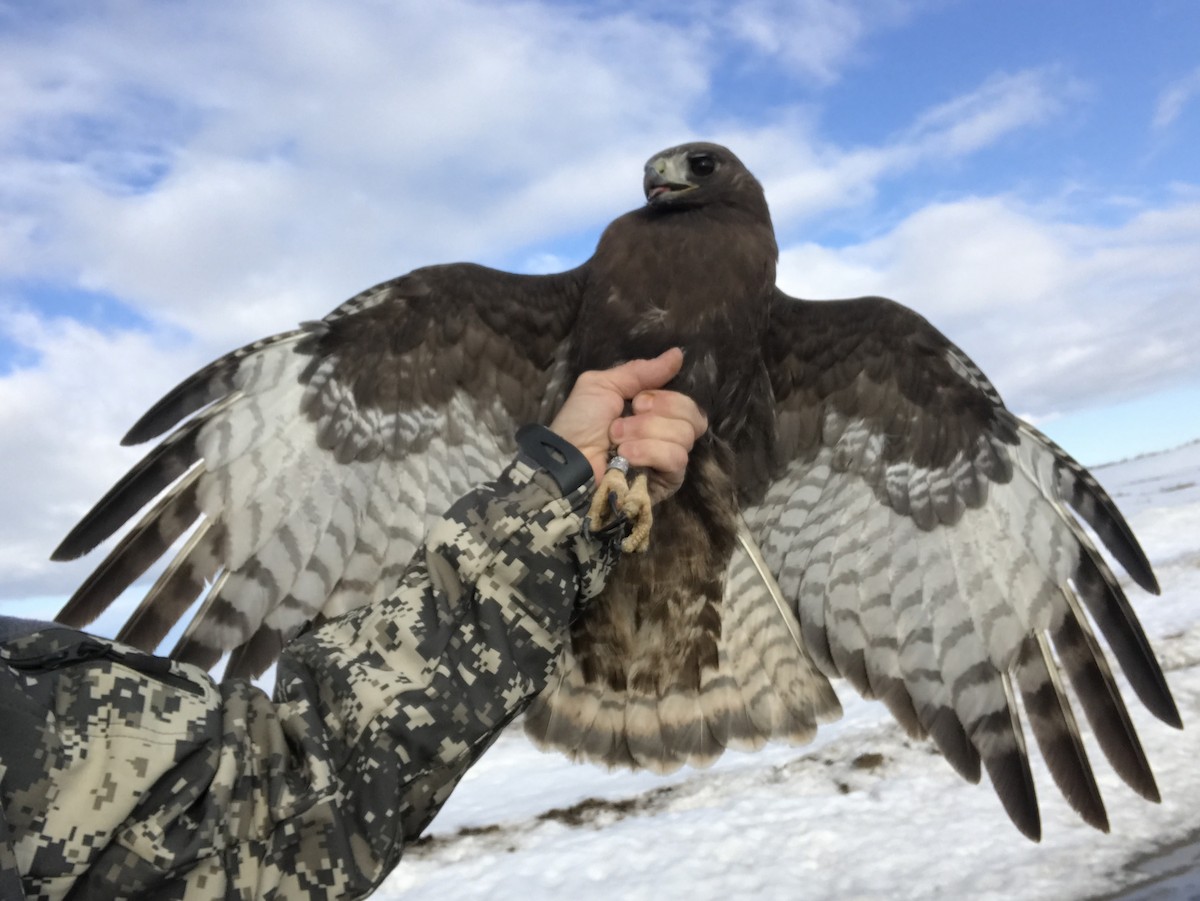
(180, 178)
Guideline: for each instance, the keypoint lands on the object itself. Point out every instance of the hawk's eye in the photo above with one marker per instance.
(702, 165)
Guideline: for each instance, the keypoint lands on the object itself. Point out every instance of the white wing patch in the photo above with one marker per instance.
(854, 566)
(320, 514)
(940, 590)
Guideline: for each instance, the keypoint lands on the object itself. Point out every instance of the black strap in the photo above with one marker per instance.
(555, 454)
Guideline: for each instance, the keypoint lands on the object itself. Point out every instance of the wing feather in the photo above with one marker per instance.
(1053, 725)
(926, 539)
(214, 627)
(1110, 608)
(137, 551)
(312, 590)
(1079, 488)
(216, 380)
(313, 460)
(843, 600)
(916, 653)
(1084, 663)
(180, 584)
(140, 485)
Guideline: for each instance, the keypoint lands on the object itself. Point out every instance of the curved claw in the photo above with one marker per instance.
(636, 507)
(632, 500)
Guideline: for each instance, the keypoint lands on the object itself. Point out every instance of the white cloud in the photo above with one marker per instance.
(957, 257)
(1175, 97)
(805, 177)
(814, 38)
(1005, 103)
(1059, 315)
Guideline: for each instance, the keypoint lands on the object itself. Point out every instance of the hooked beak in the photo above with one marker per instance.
(661, 180)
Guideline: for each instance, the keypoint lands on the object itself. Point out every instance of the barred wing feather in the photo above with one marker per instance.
(311, 462)
(926, 539)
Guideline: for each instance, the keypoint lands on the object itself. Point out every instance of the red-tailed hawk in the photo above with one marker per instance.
(862, 506)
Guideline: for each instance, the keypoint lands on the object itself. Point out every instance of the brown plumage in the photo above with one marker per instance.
(863, 505)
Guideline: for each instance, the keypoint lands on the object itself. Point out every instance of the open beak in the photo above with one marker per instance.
(658, 181)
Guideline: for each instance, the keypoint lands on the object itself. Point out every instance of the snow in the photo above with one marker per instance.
(862, 812)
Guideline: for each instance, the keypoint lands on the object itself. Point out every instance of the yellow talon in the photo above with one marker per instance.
(631, 499)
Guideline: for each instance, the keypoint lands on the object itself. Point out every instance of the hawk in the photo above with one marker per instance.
(862, 507)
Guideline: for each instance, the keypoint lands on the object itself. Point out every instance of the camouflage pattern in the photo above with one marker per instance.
(124, 774)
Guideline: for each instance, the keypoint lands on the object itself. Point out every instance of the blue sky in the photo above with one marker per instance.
(178, 179)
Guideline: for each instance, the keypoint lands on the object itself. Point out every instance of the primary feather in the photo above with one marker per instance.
(863, 505)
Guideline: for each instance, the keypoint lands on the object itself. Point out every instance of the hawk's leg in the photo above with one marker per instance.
(618, 494)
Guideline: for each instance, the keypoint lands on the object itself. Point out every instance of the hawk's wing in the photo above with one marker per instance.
(926, 539)
(312, 460)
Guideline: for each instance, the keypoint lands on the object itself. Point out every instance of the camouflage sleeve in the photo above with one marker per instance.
(138, 775)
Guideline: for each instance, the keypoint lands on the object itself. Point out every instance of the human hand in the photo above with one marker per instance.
(657, 437)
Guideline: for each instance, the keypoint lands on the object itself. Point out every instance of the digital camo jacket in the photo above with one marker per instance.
(123, 774)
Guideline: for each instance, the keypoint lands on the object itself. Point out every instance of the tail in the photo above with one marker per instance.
(760, 685)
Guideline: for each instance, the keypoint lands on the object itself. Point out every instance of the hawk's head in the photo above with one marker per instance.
(700, 174)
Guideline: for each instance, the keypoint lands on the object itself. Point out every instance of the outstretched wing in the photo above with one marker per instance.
(926, 538)
(310, 462)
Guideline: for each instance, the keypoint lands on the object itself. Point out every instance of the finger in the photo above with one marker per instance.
(672, 405)
(666, 457)
(656, 428)
(630, 378)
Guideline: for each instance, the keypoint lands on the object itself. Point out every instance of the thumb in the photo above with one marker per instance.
(630, 379)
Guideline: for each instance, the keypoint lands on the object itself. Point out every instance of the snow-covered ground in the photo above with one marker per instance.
(862, 812)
